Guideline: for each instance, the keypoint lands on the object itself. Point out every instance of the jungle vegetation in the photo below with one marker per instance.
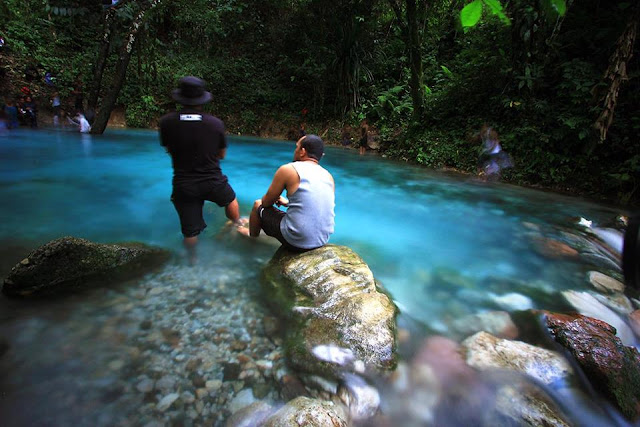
(558, 79)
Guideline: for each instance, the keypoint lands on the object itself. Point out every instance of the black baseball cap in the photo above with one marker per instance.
(314, 146)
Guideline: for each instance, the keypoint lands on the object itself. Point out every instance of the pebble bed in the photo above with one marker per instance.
(187, 345)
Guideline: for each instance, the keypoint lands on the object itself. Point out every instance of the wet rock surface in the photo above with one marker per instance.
(612, 367)
(484, 351)
(330, 298)
(517, 400)
(304, 411)
(72, 263)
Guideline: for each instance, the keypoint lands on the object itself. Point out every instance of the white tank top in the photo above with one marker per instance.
(310, 215)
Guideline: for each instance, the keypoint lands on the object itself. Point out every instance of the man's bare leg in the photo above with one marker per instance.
(255, 222)
(232, 211)
(190, 245)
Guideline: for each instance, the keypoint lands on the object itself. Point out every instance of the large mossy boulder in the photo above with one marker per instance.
(71, 263)
(329, 299)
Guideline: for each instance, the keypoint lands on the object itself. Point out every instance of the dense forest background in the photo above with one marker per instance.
(548, 82)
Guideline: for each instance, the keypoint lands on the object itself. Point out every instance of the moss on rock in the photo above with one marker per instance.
(328, 296)
(72, 263)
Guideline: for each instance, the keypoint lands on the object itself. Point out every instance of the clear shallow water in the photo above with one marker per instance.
(418, 230)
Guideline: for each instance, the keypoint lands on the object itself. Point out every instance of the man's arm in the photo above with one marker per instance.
(222, 153)
(281, 181)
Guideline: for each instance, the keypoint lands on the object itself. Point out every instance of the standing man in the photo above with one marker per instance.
(309, 219)
(196, 142)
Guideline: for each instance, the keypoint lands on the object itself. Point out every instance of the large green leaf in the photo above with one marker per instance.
(471, 13)
(559, 6)
(496, 8)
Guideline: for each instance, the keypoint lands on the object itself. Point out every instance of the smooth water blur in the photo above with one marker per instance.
(406, 222)
(444, 245)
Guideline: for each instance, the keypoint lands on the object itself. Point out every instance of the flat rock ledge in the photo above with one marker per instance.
(71, 263)
(335, 313)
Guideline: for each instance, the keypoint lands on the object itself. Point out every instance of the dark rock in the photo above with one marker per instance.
(271, 326)
(260, 390)
(193, 364)
(70, 263)
(612, 368)
(171, 336)
(198, 381)
(291, 387)
(238, 345)
(231, 371)
(145, 325)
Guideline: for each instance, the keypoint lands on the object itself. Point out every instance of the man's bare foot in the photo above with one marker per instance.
(242, 222)
(243, 230)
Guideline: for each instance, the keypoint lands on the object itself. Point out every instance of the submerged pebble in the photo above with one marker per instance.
(174, 344)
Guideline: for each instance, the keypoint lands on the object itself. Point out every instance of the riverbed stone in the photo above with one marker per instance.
(604, 283)
(484, 351)
(241, 400)
(329, 297)
(528, 408)
(554, 249)
(634, 321)
(612, 367)
(70, 263)
(251, 415)
(167, 401)
(304, 411)
(494, 322)
(520, 402)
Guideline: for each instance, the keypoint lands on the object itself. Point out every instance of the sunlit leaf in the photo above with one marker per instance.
(496, 8)
(471, 13)
(560, 6)
(447, 71)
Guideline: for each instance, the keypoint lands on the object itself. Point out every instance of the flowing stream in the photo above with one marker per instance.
(438, 242)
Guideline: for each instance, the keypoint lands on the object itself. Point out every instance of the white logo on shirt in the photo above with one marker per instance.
(191, 117)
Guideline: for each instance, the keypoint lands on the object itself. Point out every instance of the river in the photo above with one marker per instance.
(89, 359)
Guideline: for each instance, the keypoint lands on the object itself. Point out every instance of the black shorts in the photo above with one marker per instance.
(271, 219)
(189, 199)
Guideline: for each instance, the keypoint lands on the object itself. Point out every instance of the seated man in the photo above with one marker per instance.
(309, 219)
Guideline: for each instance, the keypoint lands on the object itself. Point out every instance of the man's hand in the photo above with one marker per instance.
(282, 201)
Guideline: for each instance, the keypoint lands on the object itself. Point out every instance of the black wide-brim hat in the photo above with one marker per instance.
(191, 91)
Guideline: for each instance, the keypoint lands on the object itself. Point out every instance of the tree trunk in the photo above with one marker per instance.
(410, 28)
(109, 20)
(415, 58)
(110, 98)
(616, 74)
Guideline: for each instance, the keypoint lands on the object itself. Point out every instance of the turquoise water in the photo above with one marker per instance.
(444, 245)
(406, 222)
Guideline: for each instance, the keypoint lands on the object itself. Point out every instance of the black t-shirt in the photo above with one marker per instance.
(194, 140)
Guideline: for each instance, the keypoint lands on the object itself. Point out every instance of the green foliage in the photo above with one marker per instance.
(140, 114)
(537, 81)
(470, 15)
